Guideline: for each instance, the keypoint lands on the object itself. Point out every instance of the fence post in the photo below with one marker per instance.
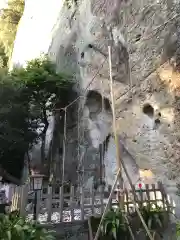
(11, 192)
(72, 203)
(101, 199)
(154, 192)
(23, 199)
(38, 203)
(15, 199)
(92, 199)
(61, 203)
(126, 200)
(49, 204)
(82, 203)
(18, 197)
(110, 202)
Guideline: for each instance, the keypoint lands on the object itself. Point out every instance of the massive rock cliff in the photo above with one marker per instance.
(145, 38)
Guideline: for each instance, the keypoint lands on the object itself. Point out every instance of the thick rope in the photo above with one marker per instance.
(92, 80)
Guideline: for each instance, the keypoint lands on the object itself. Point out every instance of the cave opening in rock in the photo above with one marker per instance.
(99, 131)
(148, 110)
(95, 98)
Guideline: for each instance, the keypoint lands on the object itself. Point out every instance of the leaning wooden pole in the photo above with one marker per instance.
(118, 158)
(120, 163)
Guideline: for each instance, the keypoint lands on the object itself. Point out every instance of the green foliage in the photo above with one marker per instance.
(16, 132)
(13, 227)
(9, 20)
(178, 229)
(46, 90)
(27, 97)
(3, 57)
(43, 82)
(153, 216)
(114, 224)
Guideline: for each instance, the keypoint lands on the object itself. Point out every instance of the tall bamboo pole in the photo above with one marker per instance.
(118, 158)
(64, 147)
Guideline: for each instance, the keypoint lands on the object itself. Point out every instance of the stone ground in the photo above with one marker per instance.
(71, 231)
(79, 231)
(170, 233)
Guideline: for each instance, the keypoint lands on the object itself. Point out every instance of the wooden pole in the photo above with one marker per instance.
(107, 206)
(101, 163)
(120, 163)
(64, 147)
(118, 158)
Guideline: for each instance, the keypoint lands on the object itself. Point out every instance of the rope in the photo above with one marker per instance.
(92, 80)
(65, 109)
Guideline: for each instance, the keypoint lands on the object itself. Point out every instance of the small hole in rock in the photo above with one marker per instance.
(157, 121)
(148, 110)
(82, 55)
(138, 37)
(90, 46)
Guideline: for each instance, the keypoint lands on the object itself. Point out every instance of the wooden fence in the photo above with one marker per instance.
(78, 205)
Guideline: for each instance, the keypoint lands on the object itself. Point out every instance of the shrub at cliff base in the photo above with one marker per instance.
(13, 227)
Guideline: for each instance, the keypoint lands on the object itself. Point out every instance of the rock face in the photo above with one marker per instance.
(144, 37)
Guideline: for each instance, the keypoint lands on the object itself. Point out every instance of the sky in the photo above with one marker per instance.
(3, 3)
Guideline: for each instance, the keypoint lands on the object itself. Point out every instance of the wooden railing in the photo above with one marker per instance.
(80, 204)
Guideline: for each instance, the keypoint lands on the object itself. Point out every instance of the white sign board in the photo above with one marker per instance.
(140, 186)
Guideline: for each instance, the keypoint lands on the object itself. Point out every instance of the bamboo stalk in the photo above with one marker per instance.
(118, 158)
(64, 146)
(120, 162)
(135, 200)
(107, 206)
(90, 229)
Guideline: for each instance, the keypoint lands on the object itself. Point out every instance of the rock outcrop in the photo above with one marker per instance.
(144, 37)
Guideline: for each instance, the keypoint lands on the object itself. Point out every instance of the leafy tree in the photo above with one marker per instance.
(9, 19)
(3, 57)
(27, 97)
(16, 132)
(47, 90)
